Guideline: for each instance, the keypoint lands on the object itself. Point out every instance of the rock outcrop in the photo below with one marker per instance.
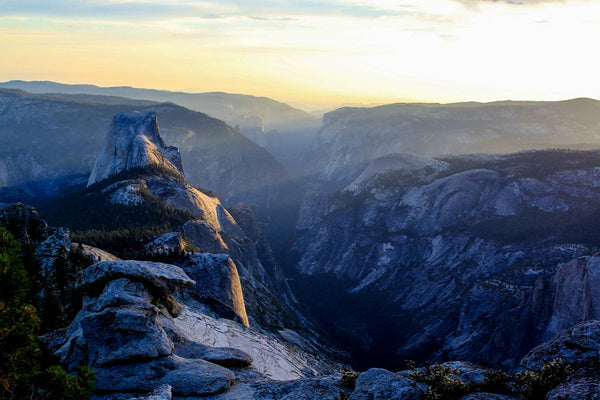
(137, 338)
(381, 384)
(579, 346)
(251, 268)
(218, 281)
(171, 242)
(120, 334)
(133, 141)
(465, 260)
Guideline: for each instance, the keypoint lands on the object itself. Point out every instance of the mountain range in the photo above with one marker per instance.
(280, 128)
(50, 141)
(350, 138)
(420, 232)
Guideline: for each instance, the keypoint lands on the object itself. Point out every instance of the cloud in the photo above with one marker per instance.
(476, 3)
(152, 9)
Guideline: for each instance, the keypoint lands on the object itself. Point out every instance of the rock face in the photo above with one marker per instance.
(271, 357)
(379, 384)
(219, 281)
(576, 294)
(35, 128)
(167, 243)
(350, 138)
(128, 333)
(119, 332)
(465, 261)
(250, 268)
(133, 141)
(578, 346)
(138, 338)
(162, 278)
(577, 387)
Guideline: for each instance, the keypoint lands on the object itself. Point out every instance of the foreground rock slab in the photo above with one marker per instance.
(380, 384)
(186, 377)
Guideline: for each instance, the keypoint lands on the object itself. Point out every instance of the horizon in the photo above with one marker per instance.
(309, 111)
(313, 55)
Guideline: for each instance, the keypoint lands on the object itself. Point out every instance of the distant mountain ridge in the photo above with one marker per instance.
(286, 132)
(49, 138)
(235, 109)
(350, 138)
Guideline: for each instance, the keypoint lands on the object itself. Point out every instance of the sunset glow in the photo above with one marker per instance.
(311, 54)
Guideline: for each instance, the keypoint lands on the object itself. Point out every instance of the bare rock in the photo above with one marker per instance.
(186, 377)
(487, 396)
(224, 356)
(467, 371)
(98, 254)
(576, 294)
(301, 389)
(380, 384)
(119, 292)
(165, 243)
(164, 392)
(217, 278)
(124, 334)
(133, 141)
(577, 387)
(578, 346)
(164, 278)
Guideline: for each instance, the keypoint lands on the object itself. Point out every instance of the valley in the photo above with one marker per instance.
(461, 232)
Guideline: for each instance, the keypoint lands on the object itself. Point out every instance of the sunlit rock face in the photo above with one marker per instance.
(219, 281)
(247, 283)
(133, 141)
(465, 258)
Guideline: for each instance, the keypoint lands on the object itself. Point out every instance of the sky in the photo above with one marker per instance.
(312, 54)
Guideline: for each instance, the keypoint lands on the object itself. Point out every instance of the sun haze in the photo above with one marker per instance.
(311, 53)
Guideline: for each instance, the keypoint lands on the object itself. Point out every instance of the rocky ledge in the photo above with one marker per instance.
(138, 339)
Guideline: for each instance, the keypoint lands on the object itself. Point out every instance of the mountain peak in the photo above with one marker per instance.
(133, 140)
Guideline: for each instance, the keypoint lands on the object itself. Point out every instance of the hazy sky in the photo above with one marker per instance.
(311, 53)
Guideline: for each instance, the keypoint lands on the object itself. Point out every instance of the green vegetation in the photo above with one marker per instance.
(348, 379)
(25, 368)
(59, 302)
(348, 383)
(445, 383)
(533, 225)
(64, 386)
(136, 173)
(341, 396)
(534, 385)
(19, 324)
(117, 228)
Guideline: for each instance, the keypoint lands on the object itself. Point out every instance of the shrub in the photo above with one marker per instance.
(19, 324)
(442, 381)
(22, 360)
(348, 379)
(495, 381)
(341, 396)
(534, 385)
(64, 386)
